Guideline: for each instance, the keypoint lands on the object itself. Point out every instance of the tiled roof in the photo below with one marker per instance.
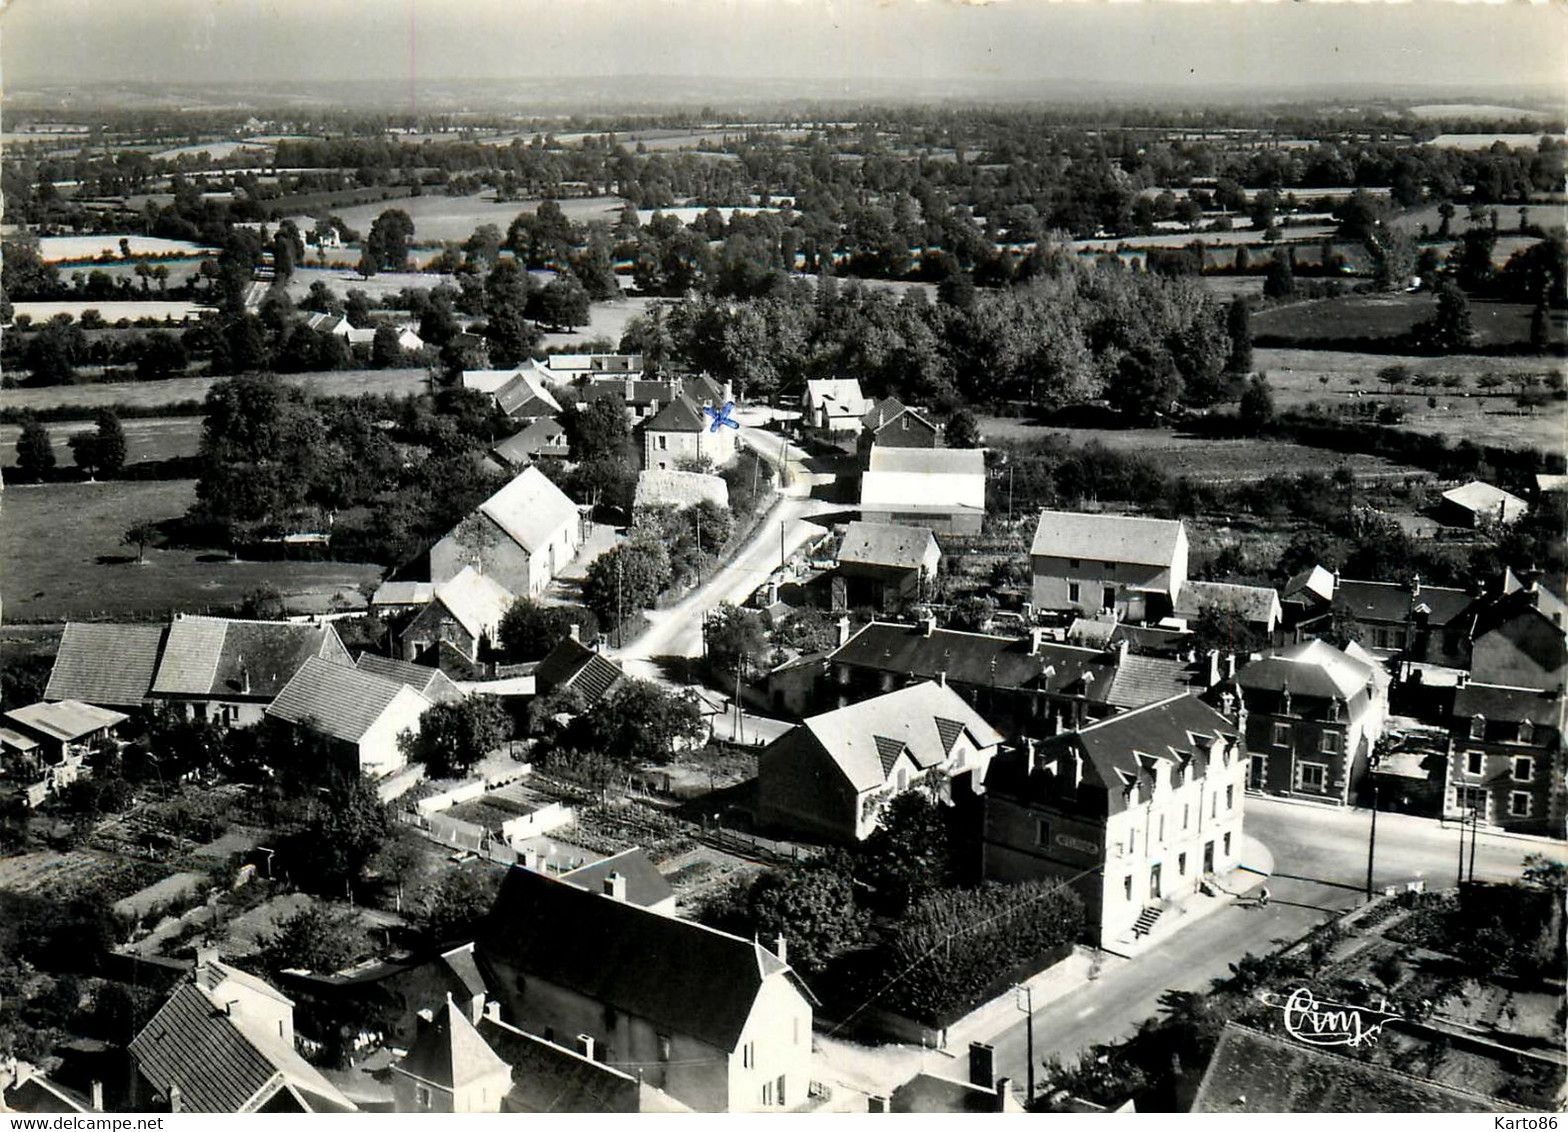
(1143, 680)
(680, 415)
(190, 655)
(1312, 668)
(1485, 500)
(1253, 1072)
(662, 488)
(526, 395)
(65, 720)
(449, 1051)
(645, 885)
(214, 656)
(545, 436)
(1107, 538)
(477, 601)
(431, 683)
(885, 544)
(882, 412)
(337, 699)
(1255, 604)
(547, 1077)
(973, 659)
(530, 509)
(858, 738)
(678, 976)
(572, 664)
(106, 664)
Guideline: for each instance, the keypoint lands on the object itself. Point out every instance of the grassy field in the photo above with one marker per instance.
(1390, 315)
(63, 557)
(146, 438)
(1302, 376)
(1201, 457)
(438, 218)
(63, 249)
(180, 310)
(151, 394)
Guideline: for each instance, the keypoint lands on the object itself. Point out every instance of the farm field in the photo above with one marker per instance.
(73, 873)
(1292, 234)
(1295, 376)
(163, 309)
(63, 249)
(1473, 110)
(1477, 142)
(1200, 457)
(1545, 215)
(152, 394)
(146, 438)
(1386, 316)
(438, 218)
(63, 557)
(218, 150)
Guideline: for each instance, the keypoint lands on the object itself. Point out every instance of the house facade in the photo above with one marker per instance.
(1313, 716)
(1133, 812)
(1506, 763)
(362, 714)
(520, 537)
(892, 424)
(681, 434)
(1520, 640)
(883, 564)
(832, 775)
(465, 616)
(1428, 624)
(718, 1022)
(449, 1068)
(1084, 563)
(834, 404)
(1479, 505)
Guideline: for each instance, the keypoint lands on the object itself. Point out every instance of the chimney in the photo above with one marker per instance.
(493, 1010)
(244, 679)
(176, 1099)
(1003, 1086)
(1415, 586)
(1336, 579)
(877, 1104)
(982, 1065)
(781, 948)
(1214, 668)
(424, 1020)
(928, 624)
(615, 886)
(843, 630)
(97, 1092)
(941, 678)
(575, 631)
(585, 1045)
(206, 956)
(1230, 666)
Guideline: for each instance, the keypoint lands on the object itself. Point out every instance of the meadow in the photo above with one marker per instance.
(65, 249)
(63, 557)
(174, 390)
(438, 218)
(112, 311)
(1385, 316)
(146, 439)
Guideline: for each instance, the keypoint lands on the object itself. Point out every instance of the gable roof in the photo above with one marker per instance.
(682, 414)
(530, 509)
(1107, 538)
(477, 601)
(1485, 500)
(1393, 601)
(1511, 705)
(881, 412)
(1312, 668)
(914, 478)
(885, 544)
(1254, 1072)
(572, 664)
(1254, 604)
(1314, 584)
(546, 435)
(216, 656)
(975, 659)
(680, 976)
(645, 884)
(1493, 614)
(843, 390)
(404, 593)
(64, 720)
(526, 395)
(106, 664)
(435, 685)
(336, 699)
(547, 1077)
(1140, 680)
(865, 739)
(449, 1051)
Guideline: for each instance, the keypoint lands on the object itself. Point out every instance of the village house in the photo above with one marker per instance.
(1134, 812)
(449, 1068)
(883, 565)
(1255, 608)
(718, 1022)
(1426, 624)
(832, 774)
(224, 1042)
(573, 666)
(520, 537)
(681, 434)
(44, 746)
(645, 398)
(1479, 505)
(362, 715)
(1506, 763)
(461, 621)
(1519, 639)
(526, 398)
(1313, 715)
(1085, 563)
(834, 404)
(548, 1076)
(544, 438)
(891, 424)
(981, 1091)
(942, 489)
(435, 685)
(394, 599)
(627, 875)
(106, 664)
(566, 367)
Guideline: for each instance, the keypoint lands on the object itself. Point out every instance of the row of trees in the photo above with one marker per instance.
(100, 452)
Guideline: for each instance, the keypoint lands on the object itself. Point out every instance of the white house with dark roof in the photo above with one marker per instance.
(942, 489)
(882, 563)
(520, 537)
(1084, 563)
(361, 713)
(832, 774)
(1256, 607)
(450, 1068)
(682, 432)
(464, 615)
(1480, 504)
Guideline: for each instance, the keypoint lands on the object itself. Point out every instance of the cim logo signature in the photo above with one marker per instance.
(1329, 1023)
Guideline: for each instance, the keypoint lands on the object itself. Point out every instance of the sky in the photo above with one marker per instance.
(813, 43)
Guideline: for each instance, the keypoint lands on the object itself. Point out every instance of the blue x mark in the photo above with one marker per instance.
(721, 416)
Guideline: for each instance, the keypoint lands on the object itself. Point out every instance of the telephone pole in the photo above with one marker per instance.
(1372, 838)
(1028, 1009)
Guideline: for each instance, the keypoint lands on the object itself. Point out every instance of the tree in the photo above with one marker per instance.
(962, 430)
(344, 828)
(385, 351)
(1238, 324)
(628, 578)
(139, 535)
(910, 854)
(1222, 629)
(387, 244)
(452, 907)
(511, 337)
(812, 906)
(563, 303)
(599, 431)
(1449, 330)
(639, 722)
(454, 737)
(736, 640)
(34, 450)
(162, 355)
(1279, 282)
(321, 938)
(530, 629)
(110, 443)
(1257, 404)
(54, 350)
(1145, 385)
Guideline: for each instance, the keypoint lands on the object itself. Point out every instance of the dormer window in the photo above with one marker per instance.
(1334, 708)
(1526, 731)
(1478, 727)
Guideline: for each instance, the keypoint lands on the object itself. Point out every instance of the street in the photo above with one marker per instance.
(1320, 856)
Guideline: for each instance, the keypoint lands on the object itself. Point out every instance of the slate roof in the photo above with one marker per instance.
(863, 739)
(885, 544)
(661, 488)
(1254, 1072)
(547, 1077)
(1312, 668)
(1391, 601)
(1496, 612)
(530, 509)
(477, 601)
(644, 391)
(1140, 680)
(1107, 538)
(572, 664)
(435, 685)
(526, 395)
(338, 699)
(882, 412)
(1254, 604)
(545, 436)
(1485, 500)
(106, 664)
(65, 720)
(679, 976)
(449, 1051)
(645, 884)
(681, 415)
(1512, 705)
(974, 659)
(213, 656)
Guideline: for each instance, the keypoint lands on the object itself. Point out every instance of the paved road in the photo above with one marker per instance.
(1320, 859)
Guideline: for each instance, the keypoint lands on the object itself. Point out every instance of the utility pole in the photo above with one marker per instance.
(781, 544)
(698, 516)
(1372, 838)
(1475, 822)
(1462, 816)
(738, 722)
(620, 614)
(1028, 1009)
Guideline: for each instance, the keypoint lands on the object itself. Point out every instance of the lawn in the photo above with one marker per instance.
(151, 394)
(63, 558)
(1388, 316)
(146, 438)
(438, 218)
(1299, 377)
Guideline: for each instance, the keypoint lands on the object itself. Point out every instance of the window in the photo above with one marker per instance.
(1230, 797)
(1108, 597)
(1162, 829)
(1475, 762)
(903, 779)
(1282, 734)
(1312, 776)
(1181, 864)
(421, 1096)
(1333, 743)
(767, 1092)
(1227, 845)
(1074, 590)
(664, 442)
(1042, 832)
(1073, 564)
(1334, 708)
(748, 1055)
(664, 1047)
(796, 1022)
(1127, 887)
(1185, 814)
(1519, 804)
(1524, 768)
(1472, 798)
(1379, 638)
(1478, 727)
(1214, 806)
